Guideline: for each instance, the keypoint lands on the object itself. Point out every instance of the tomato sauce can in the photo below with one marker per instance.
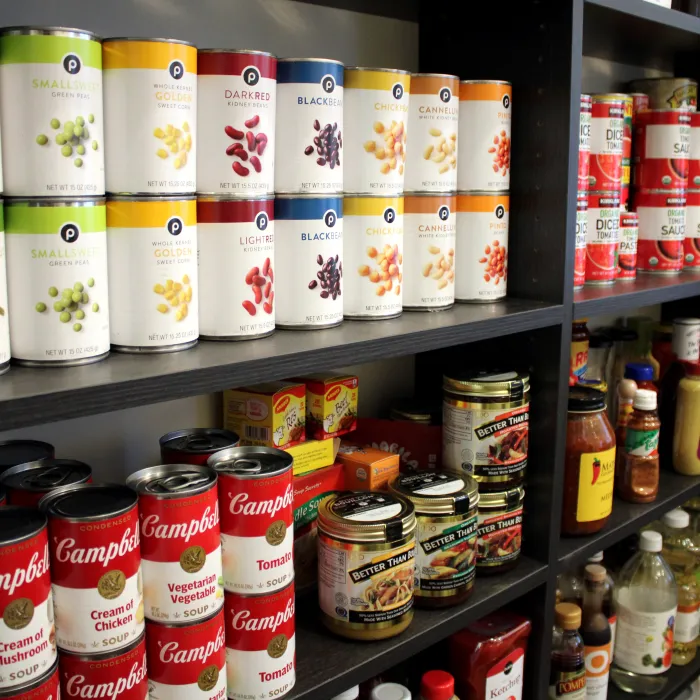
(195, 445)
(602, 237)
(607, 135)
(694, 159)
(628, 107)
(584, 143)
(46, 687)
(627, 256)
(581, 238)
(661, 230)
(691, 243)
(14, 452)
(26, 484)
(640, 102)
(95, 567)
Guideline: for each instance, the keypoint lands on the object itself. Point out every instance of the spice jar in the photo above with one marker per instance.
(500, 530)
(446, 506)
(580, 343)
(686, 436)
(589, 468)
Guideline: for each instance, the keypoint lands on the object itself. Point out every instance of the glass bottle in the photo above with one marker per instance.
(578, 360)
(641, 352)
(595, 630)
(624, 340)
(567, 676)
(608, 598)
(598, 357)
(643, 375)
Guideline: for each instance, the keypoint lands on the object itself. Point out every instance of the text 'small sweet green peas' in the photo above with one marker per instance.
(51, 112)
(4, 320)
(57, 276)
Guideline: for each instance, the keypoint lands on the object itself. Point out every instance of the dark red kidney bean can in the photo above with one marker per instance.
(27, 484)
(13, 452)
(195, 445)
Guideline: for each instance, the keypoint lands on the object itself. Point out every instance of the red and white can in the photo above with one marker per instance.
(640, 102)
(187, 661)
(607, 131)
(109, 675)
(627, 251)
(661, 230)
(694, 160)
(27, 484)
(46, 687)
(195, 445)
(255, 499)
(260, 644)
(584, 143)
(581, 235)
(27, 635)
(691, 243)
(95, 567)
(602, 237)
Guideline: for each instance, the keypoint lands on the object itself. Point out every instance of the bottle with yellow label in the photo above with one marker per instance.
(686, 436)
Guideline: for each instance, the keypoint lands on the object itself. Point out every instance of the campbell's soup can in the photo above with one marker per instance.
(237, 244)
(310, 131)
(309, 277)
(627, 250)
(668, 93)
(581, 240)
(46, 687)
(236, 107)
(607, 134)
(691, 242)
(694, 158)
(4, 321)
(602, 237)
(187, 661)
(260, 644)
(195, 445)
(661, 230)
(14, 452)
(584, 143)
(26, 484)
(27, 628)
(95, 567)
(255, 501)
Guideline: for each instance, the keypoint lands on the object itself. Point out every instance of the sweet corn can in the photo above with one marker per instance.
(4, 320)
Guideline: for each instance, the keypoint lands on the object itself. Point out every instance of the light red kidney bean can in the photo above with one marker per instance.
(187, 661)
(584, 143)
(236, 241)
(27, 635)
(640, 102)
(255, 500)
(27, 484)
(602, 237)
(627, 252)
(46, 687)
(260, 644)
(581, 240)
(694, 160)
(195, 445)
(691, 243)
(607, 132)
(95, 567)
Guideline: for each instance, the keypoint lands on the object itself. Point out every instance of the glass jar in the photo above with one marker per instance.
(623, 346)
(500, 530)
(686, 436)
(599, 350)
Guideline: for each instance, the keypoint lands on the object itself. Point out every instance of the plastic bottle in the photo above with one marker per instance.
(349, 694)
(390, 691)
(437, 685)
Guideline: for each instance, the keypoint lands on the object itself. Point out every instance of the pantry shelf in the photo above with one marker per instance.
(679, 677)
(406, 10)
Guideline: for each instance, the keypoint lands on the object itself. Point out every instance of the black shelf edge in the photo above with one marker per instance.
(328, 665)
(679, 677)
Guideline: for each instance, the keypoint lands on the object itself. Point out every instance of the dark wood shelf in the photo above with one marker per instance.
(406, 9)
(679, 677)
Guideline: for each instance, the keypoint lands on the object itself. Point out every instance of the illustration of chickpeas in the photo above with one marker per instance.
(380, 290)
(370, 146)
(385, 169)
(372, 252)
(427, 268)
(374, 276)
(363, 270)
(378, 127)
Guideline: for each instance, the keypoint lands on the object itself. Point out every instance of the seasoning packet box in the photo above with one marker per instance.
(366, 468)
(331, 404)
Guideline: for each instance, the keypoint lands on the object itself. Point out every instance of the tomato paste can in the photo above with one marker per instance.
(46, 687)
(691, 242)
(310, 131)
(51, 112)
(694, 159)
(661, 230)
(187, 660)
(581, 239)
(602, 237)
(669, 93)
(95, 567)
(4, 323)
(607, 135)
(26, 484)
(640, 102)
(628, 107)
(430, 229)
(195, 445)
(260, 644)
(627, 255)
(255, 500)
(584, 142)
(26, 606)
(482, 246)
(180, 542)
(236, 98)
(150, 99)
(14, 452)
(375, 133)
(236, 244)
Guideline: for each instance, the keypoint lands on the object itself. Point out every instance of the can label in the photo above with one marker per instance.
(691, 242)
(640, 102)
(4, 305)
(607, 133)
(602, 237)
(584, 143)
(628, 108)
(627, 257)
(581, 236)
(49, 689)
(694, 157)
(482, 246)
(236, 244)
(309, 274)
(624, 197)
(236, 133)
(500, 537)
(310, 131)
(661, 230)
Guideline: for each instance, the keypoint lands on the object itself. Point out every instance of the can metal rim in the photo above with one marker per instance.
(291, 195)
(47, 447)
(686, 321)
(189, 625)
(609, 96)
(150, 197)
(430, 194)
(10, 511)
(604, 193)
(449, 76)
(244, 51)
(398, 71)
(497, 388)
(47, 463)
(442, 504)
(213, 197)
(97, 201)
(220, 459)
(105, 655)
(675, 193)
(356, 195)
(486, 82)
(48, 503)
(498, 500)
(483, 193)
(146, 194)
(16, 690)
(199, 433)
(183, 485)
(310, 60)
(71, 32)
(155, 40)
(681, 111)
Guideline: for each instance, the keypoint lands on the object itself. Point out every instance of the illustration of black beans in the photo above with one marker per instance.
(327, 144)
(328, 277)
(313, 284)
(324, 295)
(317, 124)
(319, 259)
(320, 275)
(321, 161)
(308, 150)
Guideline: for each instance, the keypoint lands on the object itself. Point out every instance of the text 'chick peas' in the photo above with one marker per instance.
(176, 142)
(177, 296)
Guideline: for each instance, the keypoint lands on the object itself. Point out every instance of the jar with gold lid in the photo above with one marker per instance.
(500, 530)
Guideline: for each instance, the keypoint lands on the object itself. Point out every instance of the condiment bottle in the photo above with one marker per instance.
(624, 340)
(437, 685)
(686, 436)
(567, 675)
(596, 633)
(642, 373)
(661, 347)
(641, 352)
(608, 597)
(626, 391)
(580, 343)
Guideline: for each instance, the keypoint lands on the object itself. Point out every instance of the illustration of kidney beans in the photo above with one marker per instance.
(259, 281)
(267, 290)
(233, 133)
(252, 122)
(267, 308)
(253, 272)
(255, 162)
(270, 275)
(241, 153)
(230, 150)
(249, 307)
(240, 169)
(261, 147)
(266, 267)
(257, 293)
(260, 137)
(250, 138)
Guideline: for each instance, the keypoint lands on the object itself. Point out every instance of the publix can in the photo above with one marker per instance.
(581, 236)
(607, 133)
(669, 93)
(661, 230)
(430, 225)
(691, 243)
(309, 278)
(57, 280)
(236, 127)
(640, 102)
(376, 107)
(46, 687)
(236, 244)
(51, 112)
(310, 132)
(195, 445)
(4, 319)
(482, 246)
(433, 122)
(627, 256)
(373, 227)
(694, 158)
(584, 143)
(602, 237)
(26, 484)
(151, 106)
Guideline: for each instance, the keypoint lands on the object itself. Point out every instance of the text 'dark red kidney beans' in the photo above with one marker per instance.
(46, 687)
(691, 243)
(602, 237)
(581, 237)
(584, 143)
(260, 644)
(236, 130)
(661, 230)
(236, 267)
(627, 251)
(310, 132)
(309, 276)
(607, 130)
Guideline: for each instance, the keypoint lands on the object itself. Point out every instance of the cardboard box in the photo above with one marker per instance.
(366, 468)
(331, 404)
(312, 455)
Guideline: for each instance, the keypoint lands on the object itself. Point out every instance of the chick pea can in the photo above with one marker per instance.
(4, 320)
(152, 245)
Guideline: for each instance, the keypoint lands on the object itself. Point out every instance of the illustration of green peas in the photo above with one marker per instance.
(65, 317)
(53, 292)
(86, 133)
(77, 327)
(91, 118)
(78, 162)
(78, 287)
(94, 145)
(80, 314)
(40, 307)
(67, 150)
(85, 298)
(42, 139)
(76, 297)
(55, 124)
(79, 121)
(95, 307)
(91, 282)
(67, 293)
(78, 131)
(73, 306)
(80, 150)
(58, 306)
(68, 128)
(60, 139)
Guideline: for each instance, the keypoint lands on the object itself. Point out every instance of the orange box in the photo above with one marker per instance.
(331, 404)
(366, 468)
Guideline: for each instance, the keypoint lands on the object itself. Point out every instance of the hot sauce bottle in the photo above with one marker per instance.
(567, 676)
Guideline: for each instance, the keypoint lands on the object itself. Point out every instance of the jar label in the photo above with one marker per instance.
(505, 679)
(569, 684)
(595, 485)
(578, 363)
(597, 661)
(624, 412)
(687, 625)
(642, 443)
(500, 537)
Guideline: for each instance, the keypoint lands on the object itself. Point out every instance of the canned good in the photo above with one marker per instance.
(95, 567)
(485, 113)
(627, 257)
(151, 105)
(581, 237)
(500, 530)
(640, 102)
(26, 605)
(255, 498)
(607, 133)
(694, 157)
(624, 197)
(375, 259)
(26, 484)
(46, 687)
(13, 452)
(51, 112)
(661, 230)
(4, 323)
(433, 120)
(376, 107)
(430, 224)
(310, 126)
(628, 112)
(584, 142)
(180, 541)
(236, 129)
(602, 237)
(195, 445)
(669, 93)
(57, 281)
(691, 242)
(482, 246)
(309, 275)
(416, 411)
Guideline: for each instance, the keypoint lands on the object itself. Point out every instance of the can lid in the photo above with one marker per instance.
(172, 480)
(677, 518)
(253, 52)
(379, 70)
(311, 60)
(502, 500)
(493, 383)
(13, 452)
(72, 32)
(437, 493)
(416, 410)
(18, 523)
(150, 39)
(46, 474)
(449, 76)
(585, 400)
(485, 82)
(251, 462)
(199, 440)
(644, 400)
(88, 501)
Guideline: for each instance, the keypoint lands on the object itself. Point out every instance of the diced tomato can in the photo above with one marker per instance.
(581, 235)
(602, 237)
(628, 107)
(27, 484)
(584, 143)
(640, 102)
(46, 687)
(607, 133)
(691, 243)
(627, 255)
(195, 445)
(694, 160)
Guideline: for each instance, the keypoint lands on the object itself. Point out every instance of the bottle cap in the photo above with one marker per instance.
(437, 685)
(639, 371)
(568, 616)
(595, 572)
(644, 400)
(390, 691)
(650, 541)
(583, 400)
(677, 518)
(595, 558)
(350, 694)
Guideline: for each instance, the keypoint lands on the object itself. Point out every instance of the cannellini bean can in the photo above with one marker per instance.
(4, 321)
(430, 224)
(584, 143)
(46, 687)
(236, 244)
(376, 125)
(150, 100)
(57, 281)
(433, 121)
(694, 158)
(691, 243)
(482, 246)
(485, 115)
(607, 133)
(180, 542)
(309, 275)
(51, 112)
(602, 237)
(373, 256)
(26, 484)
(310, 155)
(581, 235)
(95, 567)
(627, 251)
(260, 644)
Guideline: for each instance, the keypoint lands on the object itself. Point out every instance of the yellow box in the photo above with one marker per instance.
(331, 404)
(366, 468)
(313, 454)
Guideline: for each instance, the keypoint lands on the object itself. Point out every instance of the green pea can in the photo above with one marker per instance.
(57, 280)
(4, 319)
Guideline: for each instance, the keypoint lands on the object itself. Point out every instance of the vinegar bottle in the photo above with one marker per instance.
(595, 630)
